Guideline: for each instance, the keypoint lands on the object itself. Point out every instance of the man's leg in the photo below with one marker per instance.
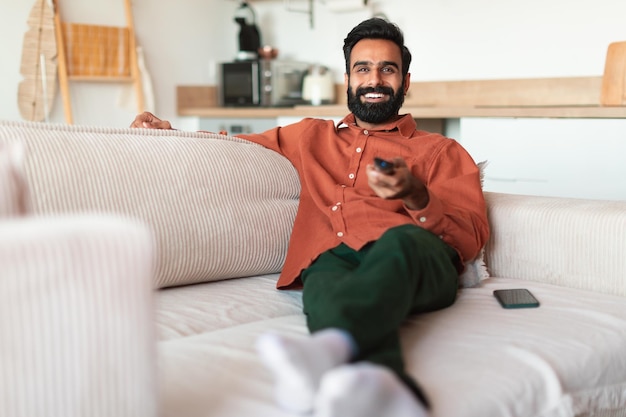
(345, 297)
(298, 364)
(408, 270)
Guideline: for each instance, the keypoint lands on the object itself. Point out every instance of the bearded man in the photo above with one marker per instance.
(370, 246)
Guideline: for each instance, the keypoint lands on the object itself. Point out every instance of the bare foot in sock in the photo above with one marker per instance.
(365, 390)
(298, 364)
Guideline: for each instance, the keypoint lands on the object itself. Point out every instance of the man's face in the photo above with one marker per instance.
(375, 86)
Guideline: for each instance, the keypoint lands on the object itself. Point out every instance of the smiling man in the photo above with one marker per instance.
(369, 247)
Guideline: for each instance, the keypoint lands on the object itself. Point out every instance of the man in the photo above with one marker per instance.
(368, 247)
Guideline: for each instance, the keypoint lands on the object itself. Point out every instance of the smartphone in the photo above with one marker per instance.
(383, 166)
(516, 298)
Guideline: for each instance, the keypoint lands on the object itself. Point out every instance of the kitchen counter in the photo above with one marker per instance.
(570, 97)
(417, 112)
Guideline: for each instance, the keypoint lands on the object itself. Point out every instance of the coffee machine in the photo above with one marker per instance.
(249, 36)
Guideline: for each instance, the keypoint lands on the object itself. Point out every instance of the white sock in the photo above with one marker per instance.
(365, 390)
(298, 364)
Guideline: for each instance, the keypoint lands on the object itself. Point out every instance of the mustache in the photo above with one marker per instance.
(361, 91)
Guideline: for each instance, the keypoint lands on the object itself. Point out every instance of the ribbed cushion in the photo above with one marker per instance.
(220, 207)
(77, 332)
(13, 192)
(570, 242)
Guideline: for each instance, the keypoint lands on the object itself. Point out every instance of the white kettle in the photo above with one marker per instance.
(318, 86)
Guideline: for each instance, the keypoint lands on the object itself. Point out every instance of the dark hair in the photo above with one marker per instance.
(376, 28)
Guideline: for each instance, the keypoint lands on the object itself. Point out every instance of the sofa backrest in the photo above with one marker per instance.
(570, 242)
(212, 216)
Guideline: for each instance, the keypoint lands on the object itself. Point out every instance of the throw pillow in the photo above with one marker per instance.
(476, 269)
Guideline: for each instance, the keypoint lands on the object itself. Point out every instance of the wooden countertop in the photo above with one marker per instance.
(570, 97)
(417, 112)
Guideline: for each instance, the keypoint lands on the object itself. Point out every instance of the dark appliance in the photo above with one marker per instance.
(262, 83)
(249, 36)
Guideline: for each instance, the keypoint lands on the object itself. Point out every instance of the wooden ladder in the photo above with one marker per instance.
(97, 54)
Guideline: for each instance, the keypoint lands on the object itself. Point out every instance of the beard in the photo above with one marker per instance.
(375, 112)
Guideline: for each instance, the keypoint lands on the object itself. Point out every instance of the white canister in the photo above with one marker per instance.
(318, 86)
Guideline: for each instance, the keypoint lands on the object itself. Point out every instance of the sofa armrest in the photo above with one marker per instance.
(76, 318)
(569, 242)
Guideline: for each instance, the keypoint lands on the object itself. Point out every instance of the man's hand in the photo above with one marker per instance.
(150, 121)
(401, 184)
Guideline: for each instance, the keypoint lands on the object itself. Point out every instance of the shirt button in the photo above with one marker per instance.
(422, 219)
(366, 132)
(351, 176)
(335, 208)
(358, 150)
(339, 234)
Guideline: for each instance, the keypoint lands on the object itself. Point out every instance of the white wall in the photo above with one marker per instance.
(450, 40)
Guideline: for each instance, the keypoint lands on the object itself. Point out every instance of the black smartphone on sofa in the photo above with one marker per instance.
(516, 298)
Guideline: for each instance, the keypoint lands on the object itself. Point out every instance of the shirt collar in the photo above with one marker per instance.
(405, 124)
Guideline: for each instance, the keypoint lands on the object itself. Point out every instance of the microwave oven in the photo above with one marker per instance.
(262, 83)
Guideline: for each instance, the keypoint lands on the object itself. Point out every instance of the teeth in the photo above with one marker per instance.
(374, 95)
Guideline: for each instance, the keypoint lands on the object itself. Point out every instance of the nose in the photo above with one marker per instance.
(375, 78)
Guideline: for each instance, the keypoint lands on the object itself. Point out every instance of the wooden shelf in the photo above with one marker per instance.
(101, 79)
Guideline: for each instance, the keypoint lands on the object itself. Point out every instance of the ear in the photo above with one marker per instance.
(346, 80)
(407, 82)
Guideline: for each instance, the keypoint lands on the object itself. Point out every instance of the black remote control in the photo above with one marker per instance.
(384, 166)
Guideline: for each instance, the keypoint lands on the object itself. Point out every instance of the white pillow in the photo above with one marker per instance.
(476, 269)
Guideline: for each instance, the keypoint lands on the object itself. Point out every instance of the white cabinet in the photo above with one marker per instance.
(235, 126)
(581, 158)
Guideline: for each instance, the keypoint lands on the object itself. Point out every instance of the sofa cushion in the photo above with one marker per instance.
(220, 207)
(76, 317)
(205, 307)
(474, 359)
(565, 358)
(564, 241)
(13, 189)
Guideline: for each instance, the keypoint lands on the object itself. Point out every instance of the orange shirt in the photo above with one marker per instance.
(337, 205)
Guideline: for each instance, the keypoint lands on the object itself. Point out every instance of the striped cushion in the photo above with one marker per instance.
(569, 242)
(76, 318)
(13, 193)
(220, 207)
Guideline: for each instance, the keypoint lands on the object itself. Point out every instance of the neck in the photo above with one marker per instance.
(375, 126)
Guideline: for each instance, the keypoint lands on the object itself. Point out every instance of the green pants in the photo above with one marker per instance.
(369, 293)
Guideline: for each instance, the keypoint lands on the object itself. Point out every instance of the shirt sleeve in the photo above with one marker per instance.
(279, 139)
(456, 210)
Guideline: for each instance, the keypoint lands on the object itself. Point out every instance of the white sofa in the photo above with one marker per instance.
(139, 267)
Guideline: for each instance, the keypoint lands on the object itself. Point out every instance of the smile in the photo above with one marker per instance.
(375, 96)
